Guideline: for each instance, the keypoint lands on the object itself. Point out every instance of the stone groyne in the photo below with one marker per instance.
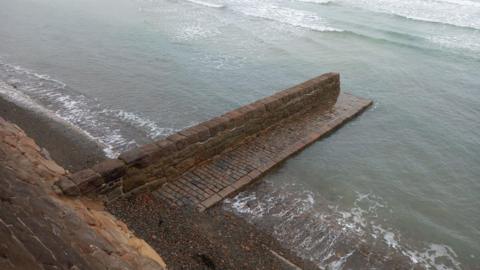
(263, 133)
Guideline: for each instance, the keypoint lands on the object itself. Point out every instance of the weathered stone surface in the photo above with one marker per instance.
(86, 180)
(215, 125)
(140, 156)
(134, 179)
(179, 140)
(195, 134)
(110, 169)
(165, 147)
(236, 116)
(68, 187)
(40, 230)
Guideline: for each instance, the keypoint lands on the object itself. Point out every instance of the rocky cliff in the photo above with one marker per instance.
(41, 230)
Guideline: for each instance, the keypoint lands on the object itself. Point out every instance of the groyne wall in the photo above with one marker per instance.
(152, 165)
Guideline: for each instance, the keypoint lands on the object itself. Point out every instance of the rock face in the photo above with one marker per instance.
(41, 230)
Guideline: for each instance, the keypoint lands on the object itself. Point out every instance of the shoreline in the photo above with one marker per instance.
(67, 147)
(214, 239)
(222, 238)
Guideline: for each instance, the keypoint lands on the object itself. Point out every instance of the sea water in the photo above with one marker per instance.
(402, 180)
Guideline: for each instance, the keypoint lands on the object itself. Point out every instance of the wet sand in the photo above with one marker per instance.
(67, 147)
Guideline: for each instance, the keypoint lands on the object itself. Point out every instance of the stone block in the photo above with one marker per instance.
(255, 174)
(240, 183)
(114, 194)
(140, 156)
(185, 164)
(134, 179)
(179, 140)
(203, 132)
(198, 133)
(283, 97)
(108, 187)
(235, 116)
(191, 135)
(267, 100)
(259, 109)
(165, 147)
(294, 92)
(211, 201)
(273, 104)
(87, 180)
(110, 169)
(189, 151)
(226, 191)
(171, 172)
(155, 184)
(68, 187)
(247, 111)
(216, 125)
(228, 122)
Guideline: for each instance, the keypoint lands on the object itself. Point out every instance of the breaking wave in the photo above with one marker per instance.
(460, 13)
(331, 237)
(288, 16)
(206, 4)
(113, 129)
(323, 2)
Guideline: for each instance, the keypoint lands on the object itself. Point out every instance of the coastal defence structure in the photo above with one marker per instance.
(202, 164)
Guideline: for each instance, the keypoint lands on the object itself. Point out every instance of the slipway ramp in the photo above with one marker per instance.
(201, 165)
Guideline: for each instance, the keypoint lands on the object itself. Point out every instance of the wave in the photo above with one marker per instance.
(206, 4)
(288, 16)
(113, 129)
(193, 32)
(420, 18)
(323, 2)
(461, 2)
(458, 13)
(470, 42)
(332, 237)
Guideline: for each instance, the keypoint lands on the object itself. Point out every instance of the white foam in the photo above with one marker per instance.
(461, 13)
(320, 234)
(323, 2)
(293, 220)
(430, 257)
(288, 16)
(154, 131)
(194, 32)
(338, 264)
(469, 42)
(53, 98)
(258, 9)
(207, 4)
(461, 2)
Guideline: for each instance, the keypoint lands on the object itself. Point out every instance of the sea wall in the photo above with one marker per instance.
(152, 165)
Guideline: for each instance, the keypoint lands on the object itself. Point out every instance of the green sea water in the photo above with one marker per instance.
(404, 177)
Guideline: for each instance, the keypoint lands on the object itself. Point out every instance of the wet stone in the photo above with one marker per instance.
(110, 169)
(68, 187)
(87, 180)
